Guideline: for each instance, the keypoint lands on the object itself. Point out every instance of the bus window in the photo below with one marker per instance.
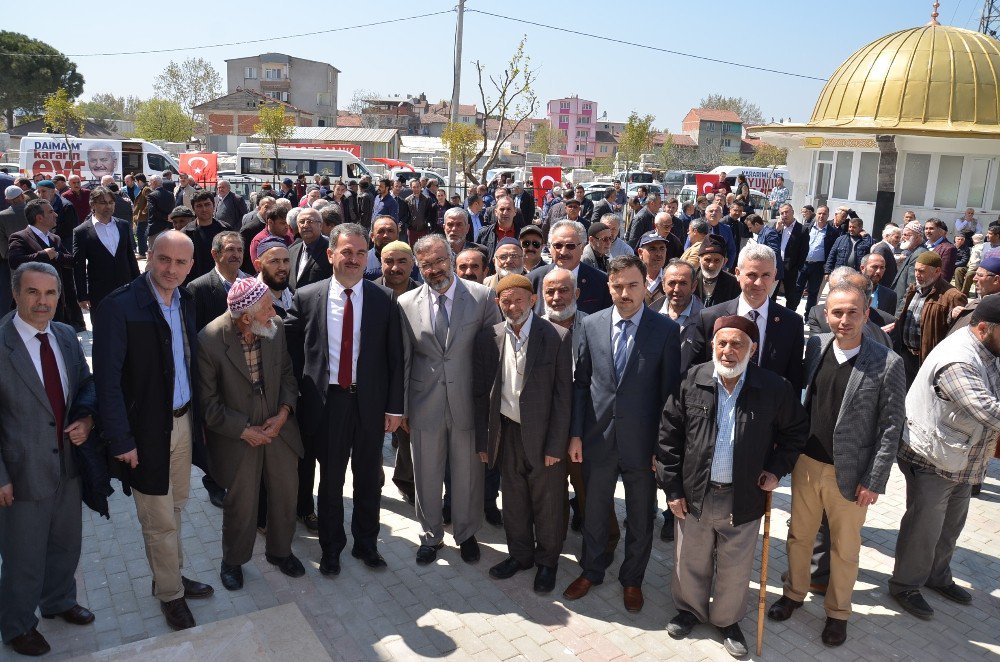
(329, 168)
(158, 164)
(356, 171)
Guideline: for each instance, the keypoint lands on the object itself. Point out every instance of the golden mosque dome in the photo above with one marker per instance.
(930, 80)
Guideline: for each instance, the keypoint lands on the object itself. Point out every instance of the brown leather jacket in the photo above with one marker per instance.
(935, 319)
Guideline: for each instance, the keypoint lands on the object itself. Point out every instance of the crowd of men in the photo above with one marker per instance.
(503, 351)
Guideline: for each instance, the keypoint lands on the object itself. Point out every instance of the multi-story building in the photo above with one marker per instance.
(576, 119)
(391, 113)
(229, 120)
(306, 84)
(711, 129)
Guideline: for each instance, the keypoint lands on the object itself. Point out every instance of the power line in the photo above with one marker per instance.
(647, 46)
(238, 43)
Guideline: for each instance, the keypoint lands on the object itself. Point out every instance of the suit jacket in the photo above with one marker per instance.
(379, 373)
(885, 250)
(527, 206)
(134, 373)
(816, 319)
(591, 258)
(12, 220)
(796, 248)
(252, 225)
(98, 273)
(905, 277)
(228, 395)
(601, 207)
(29, 459)
(624, 414)
(25, 246)
(949, 255)
(593, 285)
(869, 418)
(422, 215)
(782, 340)
(439, 379)
(886, 299)
(772, 238)
(727, 288)
(545, 400)
(317, 263)
(209, 294)
(641, 223)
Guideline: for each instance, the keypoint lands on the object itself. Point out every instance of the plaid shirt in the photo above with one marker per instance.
(251, 352)
(962, 383)
(911, 322)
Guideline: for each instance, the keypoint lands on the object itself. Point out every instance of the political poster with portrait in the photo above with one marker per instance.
(90, 159)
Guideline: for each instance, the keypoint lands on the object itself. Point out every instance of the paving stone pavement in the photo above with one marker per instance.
(453, 610)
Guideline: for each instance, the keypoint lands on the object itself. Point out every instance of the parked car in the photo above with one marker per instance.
(690, 194)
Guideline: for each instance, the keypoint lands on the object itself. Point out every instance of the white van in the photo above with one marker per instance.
(91, 158)
(254, 159)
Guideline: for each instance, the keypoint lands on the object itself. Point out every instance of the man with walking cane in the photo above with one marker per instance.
(726, 439)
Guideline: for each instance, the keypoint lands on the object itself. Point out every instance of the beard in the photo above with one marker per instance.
(263, 329)
(711, 274)
(519, 320)
(503, 273)
(560, 315)
(735, 371)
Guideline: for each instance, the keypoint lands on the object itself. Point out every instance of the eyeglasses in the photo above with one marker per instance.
(604, 240)
(531, 243)
(424, 266)
(561, 246)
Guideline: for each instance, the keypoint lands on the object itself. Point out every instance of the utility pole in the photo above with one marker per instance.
(455, 92)
(989, 22)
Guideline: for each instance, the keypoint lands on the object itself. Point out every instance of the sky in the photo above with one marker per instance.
(410, 56)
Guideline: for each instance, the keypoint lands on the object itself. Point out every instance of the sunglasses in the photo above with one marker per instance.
(569, 247)
(532, 243)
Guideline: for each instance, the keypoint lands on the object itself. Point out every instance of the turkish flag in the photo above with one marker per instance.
(707, 184)
(201, 166)
(545, 179)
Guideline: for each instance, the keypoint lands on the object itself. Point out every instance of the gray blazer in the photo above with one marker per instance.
(437, 380)
(27, 437)
(870, 417)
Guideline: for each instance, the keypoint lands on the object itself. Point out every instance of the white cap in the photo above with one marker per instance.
(12, 192)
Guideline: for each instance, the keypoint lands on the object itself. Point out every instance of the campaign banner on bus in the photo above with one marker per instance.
(202, 166)
(353, 149)
(545, 179)
(90, 159)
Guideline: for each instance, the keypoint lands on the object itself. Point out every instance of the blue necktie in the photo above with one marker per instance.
(621, 349)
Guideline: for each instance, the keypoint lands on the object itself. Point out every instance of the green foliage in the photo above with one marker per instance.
(275, 128)
(161, 119)
(62, 116)
(547, 140)
(461, 139)
(190, 83)
(28, 78)
(636, 139)
(107, 106)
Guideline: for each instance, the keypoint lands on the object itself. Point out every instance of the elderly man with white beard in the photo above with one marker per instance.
(248, 394)
(507, 259)
(716, 474)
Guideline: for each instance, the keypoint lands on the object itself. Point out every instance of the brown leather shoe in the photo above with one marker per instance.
(178, 616)
(75, 615)
(579, 588)
(782, 609)
(31, 643)
(835, 632)
(633, 599)
(192, 590)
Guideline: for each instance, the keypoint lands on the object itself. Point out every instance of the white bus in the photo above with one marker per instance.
(256, 159)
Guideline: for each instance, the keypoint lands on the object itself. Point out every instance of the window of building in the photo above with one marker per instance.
(709, 126)
(515, 136)
(867, 177)
(948, 179)
(583, 134)
(586, 106)
(977, 182)
(284, 97)
(564, 119)
(842, 175)
(580, 147)
(273, 95)
(564, 105)
(583, 119)
(250, 73)
(726, 142)
(996, 191)
(604, 149)
(273, 74)
(915, 173)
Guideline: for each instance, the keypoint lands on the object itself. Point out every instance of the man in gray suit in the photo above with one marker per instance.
(628, 364)
(440, 322)
(913, 241)
(524, 383)
(854, 394)
(47, 398)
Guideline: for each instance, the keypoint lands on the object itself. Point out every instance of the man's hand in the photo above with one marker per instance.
(767, 481)
(549, 460)
(85, 305)
(865, 497)
(51, 252)
(678, 507)
(956, 311)
(392, 423)
(273, 425)
(404, 423)
(484, 457)
(889, 327)
(575, 449)
(255, 436)
(79, 430)
(131, 458)
(7, 495)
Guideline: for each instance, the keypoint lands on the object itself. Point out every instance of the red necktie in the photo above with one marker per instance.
(346, 344)
(53, 385)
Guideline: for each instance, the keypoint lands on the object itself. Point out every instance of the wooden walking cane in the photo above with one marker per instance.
(763, 574)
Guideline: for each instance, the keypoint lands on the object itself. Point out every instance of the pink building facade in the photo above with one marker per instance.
(576, 119)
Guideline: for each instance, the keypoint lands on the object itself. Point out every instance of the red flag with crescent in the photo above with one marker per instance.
(203, 167)
(545, 179)
(707, 184)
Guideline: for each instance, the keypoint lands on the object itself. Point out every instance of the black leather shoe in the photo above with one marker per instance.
(782, 609)
(428, 553)
(446, 514)
(493, 516)
(667, 530)
(733, 640)
(681, 625)
(288, 565)
(178, 616)
(408, 498)
(231, 576)
(835, 632)
(507, 568)
(371, 557)
(329, 564)
(31, 643)
(954, 592)
(470, 550)
(192, 590)
(545, 580)
(75, 615)
(311, 522)
(576, 521)
(913, 602)
(215, 492)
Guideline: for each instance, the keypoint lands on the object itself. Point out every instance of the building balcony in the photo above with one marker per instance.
(275, 85)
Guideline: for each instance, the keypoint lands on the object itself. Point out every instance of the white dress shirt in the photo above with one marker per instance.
(335, 323)
(514, 353)
(34, 345)
(742, 308)
(786, 234)
(108, 234)
(42, 236)
(436, 297)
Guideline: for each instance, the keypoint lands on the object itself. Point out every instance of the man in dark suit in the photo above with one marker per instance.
(209, 291)
(891, 236)
(628, 364)
(913, 241)
(202, 230)
(344, 337)
(523, 382)
(145, 360)
(766, 236)
(873, 266)
(936, 232)
(11, 220)
(308, 259)
(781, 330)
(159, 204)
(229, 207)
(103, 252)
(820, 235)
(794, 246)
(423, 217)
(45, 405)
(642, 222)
(524, 203)
(37, 243)
(566, 241)
(605, 205)
(253, 224)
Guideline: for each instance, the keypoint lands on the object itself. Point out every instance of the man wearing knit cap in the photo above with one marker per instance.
(713, 284)
(716, 472)
(926, 313)
(913, 244)
(953, 420)
(524, 376)
(250, 432)
(987, 280)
